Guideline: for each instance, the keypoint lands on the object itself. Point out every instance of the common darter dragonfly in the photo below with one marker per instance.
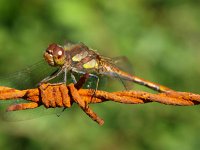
(81, 59)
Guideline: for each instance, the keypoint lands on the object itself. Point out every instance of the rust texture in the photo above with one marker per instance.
(61, 95)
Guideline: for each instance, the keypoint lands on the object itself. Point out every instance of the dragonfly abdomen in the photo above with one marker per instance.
(152, 85)
(116, 72)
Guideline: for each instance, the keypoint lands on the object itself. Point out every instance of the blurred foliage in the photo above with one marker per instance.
(159, 37)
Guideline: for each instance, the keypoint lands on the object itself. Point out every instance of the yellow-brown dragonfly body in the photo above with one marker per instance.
(81, 59)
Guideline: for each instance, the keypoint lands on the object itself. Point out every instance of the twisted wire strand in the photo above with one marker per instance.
(61, 95)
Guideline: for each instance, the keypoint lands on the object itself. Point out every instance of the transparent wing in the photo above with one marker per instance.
(28, 77)
(123, 64)
(23, 79)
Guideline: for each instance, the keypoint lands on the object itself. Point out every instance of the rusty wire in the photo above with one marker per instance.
(62, 95)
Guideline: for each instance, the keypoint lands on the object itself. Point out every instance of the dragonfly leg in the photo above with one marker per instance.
(56, 74)
(65, 75)
(90, 75)
(73, 78)
(52, 76)
(97, 82)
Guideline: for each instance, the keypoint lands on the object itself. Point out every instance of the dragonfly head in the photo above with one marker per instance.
(55, 55)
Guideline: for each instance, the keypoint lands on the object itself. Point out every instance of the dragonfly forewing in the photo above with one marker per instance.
(29, 77)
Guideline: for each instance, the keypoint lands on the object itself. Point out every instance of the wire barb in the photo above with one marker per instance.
(62, 95)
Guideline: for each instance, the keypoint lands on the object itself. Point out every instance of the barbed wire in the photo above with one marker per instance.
(61, 95)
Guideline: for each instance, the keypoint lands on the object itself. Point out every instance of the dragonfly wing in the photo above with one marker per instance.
(28, 77)
(127, 84)
(23, 79)
(124, 64)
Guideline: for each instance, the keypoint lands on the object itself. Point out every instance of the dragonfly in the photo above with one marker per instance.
(79, 58)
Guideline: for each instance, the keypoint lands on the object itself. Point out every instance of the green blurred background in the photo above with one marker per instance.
(161, 38)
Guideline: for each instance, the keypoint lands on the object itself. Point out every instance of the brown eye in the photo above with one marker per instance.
(58, 52)
(55, 55)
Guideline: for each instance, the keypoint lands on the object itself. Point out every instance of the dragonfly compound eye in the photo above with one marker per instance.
(59, 55)
(55, 55)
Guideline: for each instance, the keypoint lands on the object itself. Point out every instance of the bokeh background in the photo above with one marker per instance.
(161, 38)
